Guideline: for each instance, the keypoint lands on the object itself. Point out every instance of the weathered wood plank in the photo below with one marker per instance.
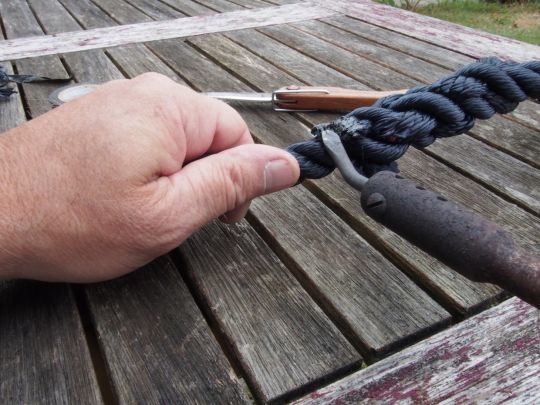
(440, 280)
(11, 110)
(503, 169)
(43, 351)
(370, 73)
(448, 35)
(514, 179)
(65, 42)
(520, 141)
(156, 10)
(527, 113)
(393, 59)
(493, 357)
(283, 340)
(342, 61)
(134, 59)
(293, 62)
(92, 66)
(330, 270)
(122, 11)
(19, 21)
(158, 346)
(191, 8)
(401, 42)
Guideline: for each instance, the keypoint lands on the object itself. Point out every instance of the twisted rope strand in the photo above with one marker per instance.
(375, 137)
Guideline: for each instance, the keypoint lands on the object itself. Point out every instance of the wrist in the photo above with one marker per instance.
(13, 219)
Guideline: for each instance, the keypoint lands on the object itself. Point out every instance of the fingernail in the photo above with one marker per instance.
(278, 174)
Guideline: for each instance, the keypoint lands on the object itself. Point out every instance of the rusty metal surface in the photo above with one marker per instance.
(477, 248)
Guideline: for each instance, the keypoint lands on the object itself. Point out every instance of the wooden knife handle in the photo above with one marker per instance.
(326, 98)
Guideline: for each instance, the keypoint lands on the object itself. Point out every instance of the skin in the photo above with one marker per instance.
(104, 184)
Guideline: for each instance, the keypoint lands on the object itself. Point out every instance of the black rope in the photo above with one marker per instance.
(375, 137)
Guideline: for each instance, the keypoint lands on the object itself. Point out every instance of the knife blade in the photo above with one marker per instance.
(307, 98)
(290, 98)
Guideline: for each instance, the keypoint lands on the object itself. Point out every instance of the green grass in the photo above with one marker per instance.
(520, 21)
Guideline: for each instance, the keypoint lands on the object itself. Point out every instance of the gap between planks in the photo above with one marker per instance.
(244, 82)
(152, 31)
(493, 357)
(454, 37)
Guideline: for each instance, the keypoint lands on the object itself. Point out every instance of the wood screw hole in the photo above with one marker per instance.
(375, 204)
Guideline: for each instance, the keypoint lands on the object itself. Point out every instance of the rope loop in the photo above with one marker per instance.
(375, 137)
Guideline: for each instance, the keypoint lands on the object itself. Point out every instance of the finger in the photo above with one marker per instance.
(225, 182)
(204, 125)
(212, 126)
(236, 214)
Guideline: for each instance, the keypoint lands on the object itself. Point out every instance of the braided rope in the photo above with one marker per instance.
(375, 137)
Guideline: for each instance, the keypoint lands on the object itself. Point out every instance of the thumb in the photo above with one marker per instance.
(220, 183)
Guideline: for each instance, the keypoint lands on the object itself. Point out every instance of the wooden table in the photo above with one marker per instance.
(307, 290)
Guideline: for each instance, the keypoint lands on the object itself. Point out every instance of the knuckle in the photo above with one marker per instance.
(151, 77)
(238, 184)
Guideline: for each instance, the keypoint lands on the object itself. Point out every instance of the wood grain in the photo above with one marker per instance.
(294, 63)
(445, 34)
(416, 47)
(284, 341)
(493, 357)
(158, 346)
(134, 59)
(397, 60)
(495, 168)
(74, 41)
(11, 110)
(43, 351)
(156, 10)
(121, 11)
(340, 268)
(520, 141)
(19, 21)
(515, 180)
(443, 282)
(364, 70)
(193, 8)
(91, 66)
(527, 113)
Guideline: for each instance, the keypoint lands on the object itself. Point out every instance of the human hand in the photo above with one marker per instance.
(104, 184)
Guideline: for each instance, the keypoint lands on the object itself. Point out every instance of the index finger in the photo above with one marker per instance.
(211, 126)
